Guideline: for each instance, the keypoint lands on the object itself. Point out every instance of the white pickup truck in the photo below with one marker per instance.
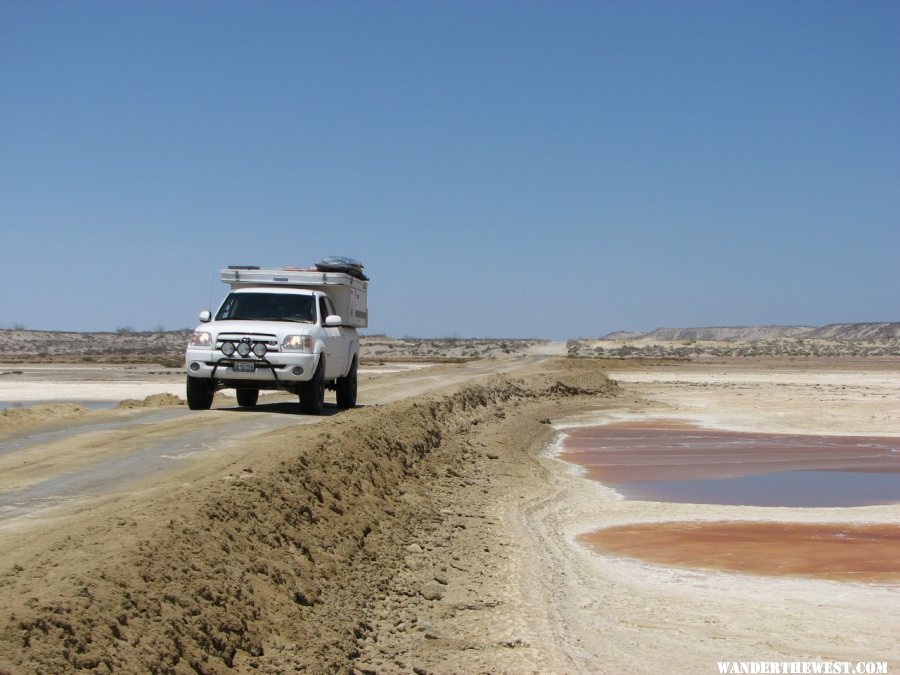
(280, 328)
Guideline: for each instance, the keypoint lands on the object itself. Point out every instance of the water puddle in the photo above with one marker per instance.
(90, 405)
(674, 462)
(680, 463)
(825, 551)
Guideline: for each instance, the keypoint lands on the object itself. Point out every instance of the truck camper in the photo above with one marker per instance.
(287, 328)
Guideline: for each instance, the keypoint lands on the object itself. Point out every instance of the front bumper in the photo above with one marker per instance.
(273, 367)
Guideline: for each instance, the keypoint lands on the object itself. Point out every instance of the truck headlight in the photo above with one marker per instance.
(200, 338)
(298, 343)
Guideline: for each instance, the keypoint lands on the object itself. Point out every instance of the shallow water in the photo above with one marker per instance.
(678, 463)
(673, 462)
(829, 551)
(90, 405)
(788, 488)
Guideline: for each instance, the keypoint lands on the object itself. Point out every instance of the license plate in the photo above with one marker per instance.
(240, 367)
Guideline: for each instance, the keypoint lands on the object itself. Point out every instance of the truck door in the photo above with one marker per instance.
(337, 343)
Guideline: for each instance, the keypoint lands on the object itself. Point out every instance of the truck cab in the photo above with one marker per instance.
(279, 330)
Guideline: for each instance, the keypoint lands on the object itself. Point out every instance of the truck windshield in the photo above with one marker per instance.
(267, 307)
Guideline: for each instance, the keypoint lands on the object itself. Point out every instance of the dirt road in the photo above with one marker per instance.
(47, 465)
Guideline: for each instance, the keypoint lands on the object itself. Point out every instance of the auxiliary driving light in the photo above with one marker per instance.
(243, 349)
(195, 367)
(297, 370)
(228, 348)
(260, 349)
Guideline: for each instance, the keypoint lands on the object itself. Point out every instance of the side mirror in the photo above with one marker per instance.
(205, 316)
(333, 320)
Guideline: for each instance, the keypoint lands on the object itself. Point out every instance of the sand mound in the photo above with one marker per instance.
(152, 401)
(281, 566)
(39, 414)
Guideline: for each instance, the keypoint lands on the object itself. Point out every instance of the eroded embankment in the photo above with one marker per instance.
(292, 561)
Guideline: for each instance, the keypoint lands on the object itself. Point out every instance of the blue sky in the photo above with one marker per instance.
(507, 169)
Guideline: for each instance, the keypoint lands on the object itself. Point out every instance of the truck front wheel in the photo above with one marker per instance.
(346, 388)
(199, 393)
(312, 393)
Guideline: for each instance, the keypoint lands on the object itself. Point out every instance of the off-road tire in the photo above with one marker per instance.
(312, 393)
(200, 393)
(346, 388)
(247, 398)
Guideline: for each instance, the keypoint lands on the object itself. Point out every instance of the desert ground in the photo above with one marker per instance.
(432, 529)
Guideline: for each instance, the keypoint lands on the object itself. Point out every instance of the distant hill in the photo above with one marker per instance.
(834, 331)
(857, 331)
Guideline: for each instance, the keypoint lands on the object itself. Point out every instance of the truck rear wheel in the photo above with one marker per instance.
(247, 397)
(312, 393)
(199, 393)
(346, 388)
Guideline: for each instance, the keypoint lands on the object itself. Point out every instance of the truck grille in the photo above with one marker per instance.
(271, 341)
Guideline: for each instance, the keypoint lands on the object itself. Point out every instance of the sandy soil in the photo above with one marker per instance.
(431, 530)
(816, 396)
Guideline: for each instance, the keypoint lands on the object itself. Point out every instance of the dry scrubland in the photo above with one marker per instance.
(123, 346)
(377, 348)
(167, 347)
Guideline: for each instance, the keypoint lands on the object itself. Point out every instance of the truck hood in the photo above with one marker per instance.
(279, 328)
